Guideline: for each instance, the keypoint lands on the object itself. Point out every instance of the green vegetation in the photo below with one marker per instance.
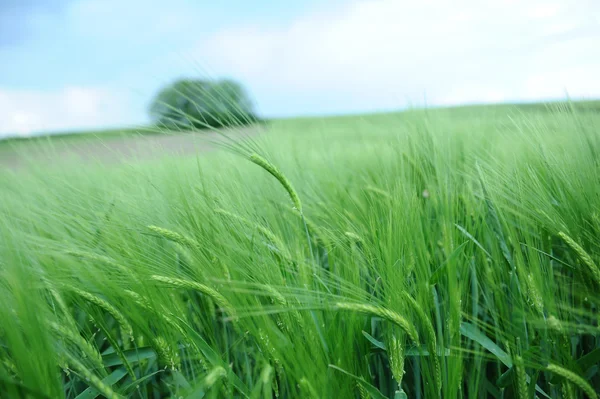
(60, 139)
(435, 253)
(198, 104)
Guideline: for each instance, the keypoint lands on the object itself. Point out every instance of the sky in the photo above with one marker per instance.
(89, 64)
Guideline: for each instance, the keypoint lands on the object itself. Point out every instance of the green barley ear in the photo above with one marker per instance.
(166, 354)
(535, 298)
(584, 256)
(103, 259)
(192, 285)
(173, 236)
(574, 378)
(126, 328)
(213, 376)
(353, 237)
(521, 377)
(88, 350)
(395, 353)
(384, 314)
(362, 391)
(269, 167)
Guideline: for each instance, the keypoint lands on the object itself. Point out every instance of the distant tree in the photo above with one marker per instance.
(189, 104)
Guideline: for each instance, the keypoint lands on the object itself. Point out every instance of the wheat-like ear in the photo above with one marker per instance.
(574, 378)
(362, 391)
(431, 338)
(535, 298)
(584, 256)
(395, 352)
(173, 236)
(521, 377)
(89, 351)
(91, 378)
(269, 167)
(384, 314)
(213, 376)
(145, 303)
(103, 259)
(192, 285)
(110, 309)
(166, 354)
(354, 237)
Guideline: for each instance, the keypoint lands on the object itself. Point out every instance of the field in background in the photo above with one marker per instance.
(147, 141)
(431, 253)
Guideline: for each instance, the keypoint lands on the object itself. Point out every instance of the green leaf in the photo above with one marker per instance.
(435, 277)
(24, 391)
(374, 392)
(470, 237)
(585, 362)
(506, 378)
(113, 378)
(374, 341)
(140, 382)
(472, 332)
(132, 356)
(180, 380)
(491, 389)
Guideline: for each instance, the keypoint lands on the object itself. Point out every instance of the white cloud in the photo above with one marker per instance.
(384, 53)
(23, 112)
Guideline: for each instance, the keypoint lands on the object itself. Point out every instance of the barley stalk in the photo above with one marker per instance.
(269, 167)
(210, 292)
(384, 314)
(574, 378)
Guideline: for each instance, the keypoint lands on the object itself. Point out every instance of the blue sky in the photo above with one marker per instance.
(74, 64)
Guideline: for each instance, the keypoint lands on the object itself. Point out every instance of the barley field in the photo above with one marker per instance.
(439, 253)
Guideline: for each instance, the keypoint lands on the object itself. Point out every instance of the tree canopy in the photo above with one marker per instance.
(197, 104)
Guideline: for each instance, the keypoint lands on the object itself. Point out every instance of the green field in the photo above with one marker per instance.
(431, 253)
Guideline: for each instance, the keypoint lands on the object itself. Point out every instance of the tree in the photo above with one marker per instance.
(196, 104)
